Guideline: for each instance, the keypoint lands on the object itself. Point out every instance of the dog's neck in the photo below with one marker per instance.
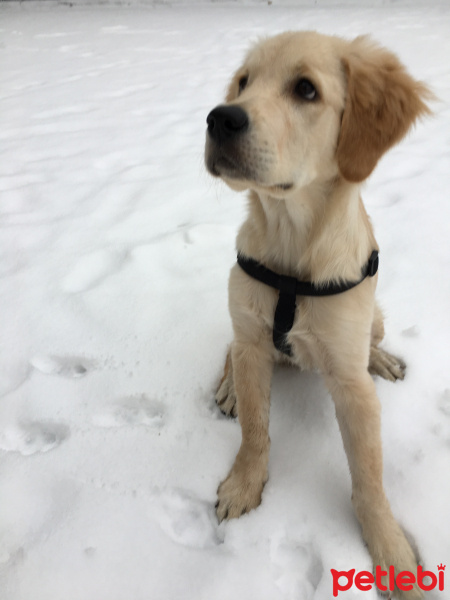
(322, 233)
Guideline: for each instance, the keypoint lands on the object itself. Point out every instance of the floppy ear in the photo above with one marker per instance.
(383, 102)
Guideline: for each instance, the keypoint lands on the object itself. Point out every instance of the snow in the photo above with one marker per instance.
(116, 247)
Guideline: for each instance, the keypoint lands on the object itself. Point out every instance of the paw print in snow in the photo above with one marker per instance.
(32, 437)
(297, 569)
(67, 366)
(131, 411)
(185, 519)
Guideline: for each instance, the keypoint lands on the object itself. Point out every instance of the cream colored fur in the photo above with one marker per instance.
(303, 162)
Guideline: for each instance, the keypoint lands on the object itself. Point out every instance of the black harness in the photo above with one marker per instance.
(290, 288)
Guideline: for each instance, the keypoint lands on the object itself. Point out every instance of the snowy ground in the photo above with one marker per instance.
(116, 250)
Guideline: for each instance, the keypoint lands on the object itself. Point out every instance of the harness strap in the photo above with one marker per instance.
(290, 288)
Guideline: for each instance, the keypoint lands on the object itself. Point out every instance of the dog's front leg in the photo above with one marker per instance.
(252, 371)
(358, 414)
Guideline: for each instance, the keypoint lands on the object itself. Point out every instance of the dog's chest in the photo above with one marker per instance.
(303, 338)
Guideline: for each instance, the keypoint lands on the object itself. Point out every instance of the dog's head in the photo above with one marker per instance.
(306, 107)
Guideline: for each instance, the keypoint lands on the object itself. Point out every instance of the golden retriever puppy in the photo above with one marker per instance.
(306, 119)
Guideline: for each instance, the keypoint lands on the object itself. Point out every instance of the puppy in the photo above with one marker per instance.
(306, 119)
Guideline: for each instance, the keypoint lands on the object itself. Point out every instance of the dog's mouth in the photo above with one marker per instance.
(227, 167)
(284, 187)
(223, 166)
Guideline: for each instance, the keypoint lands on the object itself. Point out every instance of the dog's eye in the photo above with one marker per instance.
(304, 89)
(243, 83)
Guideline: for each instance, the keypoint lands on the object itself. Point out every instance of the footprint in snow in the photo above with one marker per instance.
(297, 569)
(91, 270)
(185, 519)
(134, 410)
(33, 436)
(67, 366)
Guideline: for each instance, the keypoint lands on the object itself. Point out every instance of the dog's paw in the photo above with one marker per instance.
(398, 553)
(236, 497)
(386, 365)
(414, 594)
(226, 396)
(241, 491)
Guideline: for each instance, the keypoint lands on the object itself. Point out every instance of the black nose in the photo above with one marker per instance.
(226, 121)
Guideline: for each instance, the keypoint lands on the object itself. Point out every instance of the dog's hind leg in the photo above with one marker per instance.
(225, 395)
(382, 363)
(386, 365)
